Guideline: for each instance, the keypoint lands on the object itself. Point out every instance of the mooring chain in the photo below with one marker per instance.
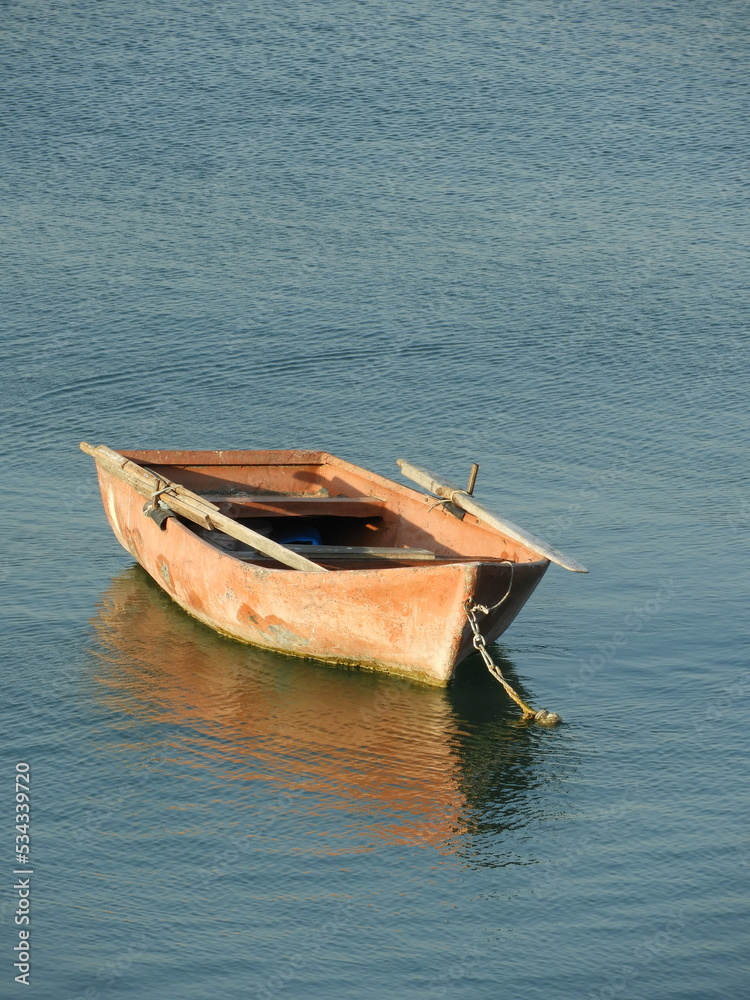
(506, 595)
(542, 717)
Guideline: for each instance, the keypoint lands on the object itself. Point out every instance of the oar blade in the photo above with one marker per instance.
(449, 491)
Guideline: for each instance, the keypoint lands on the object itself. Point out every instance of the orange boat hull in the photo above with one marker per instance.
(409, 619)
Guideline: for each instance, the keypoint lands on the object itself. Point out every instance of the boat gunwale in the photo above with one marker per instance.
(444, 561)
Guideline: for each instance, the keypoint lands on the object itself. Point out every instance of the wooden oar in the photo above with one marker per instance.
(449, 491)
(197, 509)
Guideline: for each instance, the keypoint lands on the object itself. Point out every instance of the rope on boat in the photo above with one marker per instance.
(451, 498)
(542, 717)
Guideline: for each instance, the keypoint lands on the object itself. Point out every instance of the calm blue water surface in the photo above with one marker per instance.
(512, 233)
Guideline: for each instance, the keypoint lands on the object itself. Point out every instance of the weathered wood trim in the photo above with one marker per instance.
(188, 504)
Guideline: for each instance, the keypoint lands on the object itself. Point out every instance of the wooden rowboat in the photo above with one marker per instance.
(306, 554)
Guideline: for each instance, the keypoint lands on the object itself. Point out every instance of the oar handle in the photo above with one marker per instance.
(458, 496)
(196, 508)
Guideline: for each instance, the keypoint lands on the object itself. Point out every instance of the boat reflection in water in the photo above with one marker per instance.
(382, 758)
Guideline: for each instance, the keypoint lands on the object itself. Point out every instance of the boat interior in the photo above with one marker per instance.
(336, 514)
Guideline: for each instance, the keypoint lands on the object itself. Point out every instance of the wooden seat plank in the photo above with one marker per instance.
(299, 506)
(325, 552)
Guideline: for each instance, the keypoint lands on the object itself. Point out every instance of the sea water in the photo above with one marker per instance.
(498, 232)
